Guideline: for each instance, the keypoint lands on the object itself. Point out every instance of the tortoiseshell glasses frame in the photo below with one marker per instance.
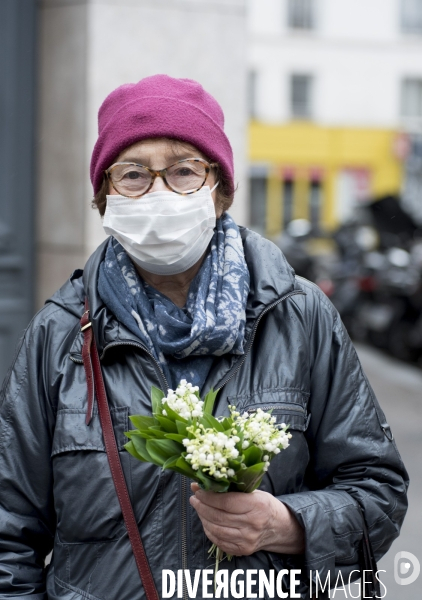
(163, 173)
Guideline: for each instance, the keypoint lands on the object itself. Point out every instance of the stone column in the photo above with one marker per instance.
(87, 49)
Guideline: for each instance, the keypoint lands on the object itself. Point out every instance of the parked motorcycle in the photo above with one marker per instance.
(393, 308)
(293, 244)
(377, 282)
(374, 278)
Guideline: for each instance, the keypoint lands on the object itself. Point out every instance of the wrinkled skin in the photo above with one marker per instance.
(241, 524)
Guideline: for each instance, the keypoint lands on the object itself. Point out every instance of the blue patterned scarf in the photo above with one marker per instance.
(212, 323)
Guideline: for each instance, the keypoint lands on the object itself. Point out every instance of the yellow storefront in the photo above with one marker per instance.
(304, 160)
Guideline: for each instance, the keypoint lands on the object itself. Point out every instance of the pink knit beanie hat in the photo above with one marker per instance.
(160, 106)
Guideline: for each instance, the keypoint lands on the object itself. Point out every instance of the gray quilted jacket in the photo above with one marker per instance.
(56, 490)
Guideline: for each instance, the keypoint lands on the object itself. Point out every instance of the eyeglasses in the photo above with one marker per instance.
(183, 177)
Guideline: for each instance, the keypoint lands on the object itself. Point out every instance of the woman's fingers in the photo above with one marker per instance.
(241, 524)
(216, 515)
(231, 502)
(236, 522)
(234, 544)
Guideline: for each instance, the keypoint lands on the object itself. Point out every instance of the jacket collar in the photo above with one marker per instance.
(271, 275)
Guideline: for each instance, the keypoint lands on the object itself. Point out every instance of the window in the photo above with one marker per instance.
(411, 98)
(411, 16)
(301, 96)
(301, 14)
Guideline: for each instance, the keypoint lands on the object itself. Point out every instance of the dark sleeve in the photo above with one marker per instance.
(354, 460)
(27, 520)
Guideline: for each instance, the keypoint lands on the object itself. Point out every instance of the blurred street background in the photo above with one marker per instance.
(323, 105)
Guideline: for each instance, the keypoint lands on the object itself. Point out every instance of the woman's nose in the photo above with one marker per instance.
(159, 185)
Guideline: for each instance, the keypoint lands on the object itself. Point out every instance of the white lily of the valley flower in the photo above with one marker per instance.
(184, 401)
(259, 428)
(211, 451)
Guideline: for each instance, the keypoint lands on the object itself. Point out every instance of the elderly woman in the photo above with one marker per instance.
(178, 291)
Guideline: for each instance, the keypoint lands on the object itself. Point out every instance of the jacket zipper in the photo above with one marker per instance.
(254, 330)
(223, 383)
(184, 532)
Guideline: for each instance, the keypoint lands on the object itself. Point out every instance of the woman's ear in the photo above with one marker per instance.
(100, 198)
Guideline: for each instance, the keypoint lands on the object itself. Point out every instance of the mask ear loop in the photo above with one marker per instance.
(211, 191)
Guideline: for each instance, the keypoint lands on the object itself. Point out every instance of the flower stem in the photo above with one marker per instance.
(219, 556)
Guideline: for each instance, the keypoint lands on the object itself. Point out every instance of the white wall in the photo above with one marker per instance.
(359, 20)
(89, 48)
(371, 20)
(357, 55)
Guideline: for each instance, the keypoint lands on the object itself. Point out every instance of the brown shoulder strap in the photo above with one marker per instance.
(95, 383)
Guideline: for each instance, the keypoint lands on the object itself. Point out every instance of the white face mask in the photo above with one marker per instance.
(163, 232)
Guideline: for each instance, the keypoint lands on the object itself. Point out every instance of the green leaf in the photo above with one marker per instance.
(182, 428)
(212, 485)
(249, 479)
(168, 425)
(161, 450)
(177, 437)
(171, 463)
(131, 449)
(136, 433)
(174, 416)
(184, 466)
(234, 464)
(142, 421)
(252, 456)
(156, 396)
(227, 423)
(155, 433)
(174, 463)
(209, 401)
(211, 422)
(140, 446)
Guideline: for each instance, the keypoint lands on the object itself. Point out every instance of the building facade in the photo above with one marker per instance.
(335, 101)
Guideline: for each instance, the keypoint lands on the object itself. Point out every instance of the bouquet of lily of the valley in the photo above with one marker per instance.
(221, 454)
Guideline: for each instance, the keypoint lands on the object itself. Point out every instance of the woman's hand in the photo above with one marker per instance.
(240, 524)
